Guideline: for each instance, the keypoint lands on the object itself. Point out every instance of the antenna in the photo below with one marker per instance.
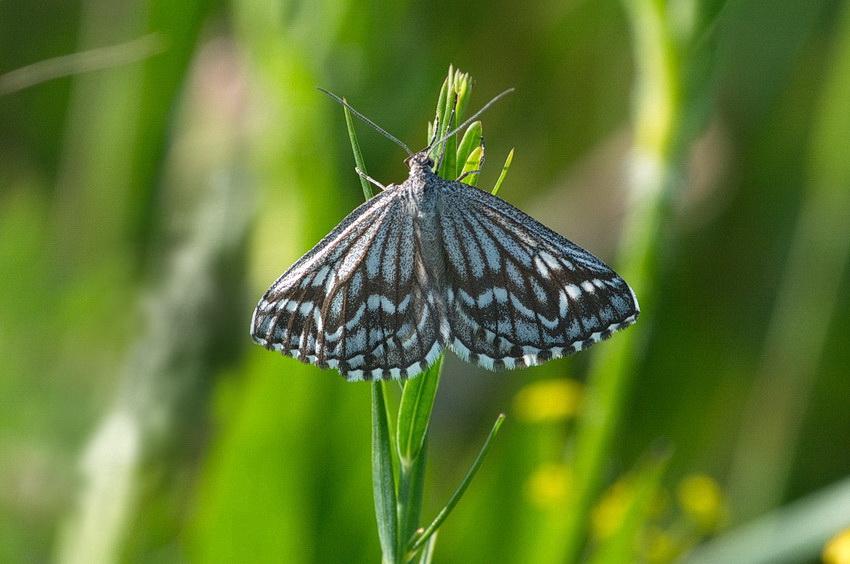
(374, 126)
(395, 139)
(470, 120)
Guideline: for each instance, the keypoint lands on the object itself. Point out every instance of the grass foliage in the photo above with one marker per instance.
(161, 163)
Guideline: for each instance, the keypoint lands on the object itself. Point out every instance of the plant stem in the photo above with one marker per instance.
(659, 143)
(397, 528)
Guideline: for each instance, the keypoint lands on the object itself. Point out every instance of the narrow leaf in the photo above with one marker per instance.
(473, 139)
(447, 151)
(435, 129)
(383, 482)
(470, 172)
(427, 553)
(463, 87)
(358, 155)
(411, 485)
(455, 498)
(415, 411)
(504, 172)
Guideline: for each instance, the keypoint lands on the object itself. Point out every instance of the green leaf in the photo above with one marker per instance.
(446, 156)
(358, 155)
(411, 486)
(504, 172)
(470, 172)
(421, 539)
(470, 152)
(383, 481)
(454, 97)
(472, 138)
(417, 399)
(463, 88)
(435, 128)
(427, 552)
(414, 413)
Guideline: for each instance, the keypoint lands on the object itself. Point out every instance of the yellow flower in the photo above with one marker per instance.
(837, 550)
(660, 546)
(611, 509)
(548, 400)
(547, 487)
(702, 500)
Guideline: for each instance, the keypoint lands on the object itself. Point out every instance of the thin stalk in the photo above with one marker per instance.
(411, 483)
(806, 302)
(422, 538)
(398, 496)
(383, 479)
(358, 154)
(659, 144)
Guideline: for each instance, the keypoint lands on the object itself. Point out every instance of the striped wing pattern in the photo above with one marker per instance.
(521, 294)
(357, 301)
(434, 264)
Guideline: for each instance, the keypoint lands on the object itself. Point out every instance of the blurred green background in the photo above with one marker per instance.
(162, 162)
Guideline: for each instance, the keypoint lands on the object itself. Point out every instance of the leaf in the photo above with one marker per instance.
(504, 172)
(470, 152)
(417, 400)
(455, 498)
(358, 155)
(383, 480)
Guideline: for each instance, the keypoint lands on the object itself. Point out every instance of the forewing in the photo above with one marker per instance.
(517, 293)
(354, 302)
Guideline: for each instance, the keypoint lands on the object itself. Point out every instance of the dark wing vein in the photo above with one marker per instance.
(519, 293)
(353, 302)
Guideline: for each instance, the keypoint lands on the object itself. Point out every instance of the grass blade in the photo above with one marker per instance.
(414, 413)
(444, 513)
(358, 154)
(504, 172)
(383, 480)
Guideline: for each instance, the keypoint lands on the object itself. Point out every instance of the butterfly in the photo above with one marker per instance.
(433, 264)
